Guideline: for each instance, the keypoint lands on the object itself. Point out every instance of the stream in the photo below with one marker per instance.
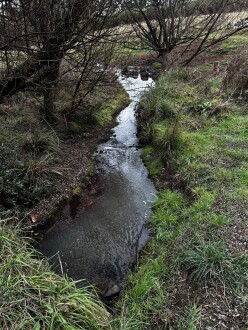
(100, 242)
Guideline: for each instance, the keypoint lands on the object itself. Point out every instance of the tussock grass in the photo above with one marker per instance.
(39, 142)
(33, 297)
(169, 139)
(236, 79)
(212, 260)
(24, 180)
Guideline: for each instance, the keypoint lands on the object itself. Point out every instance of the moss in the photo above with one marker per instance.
(112, 106)
(76, 191)
(74, 127)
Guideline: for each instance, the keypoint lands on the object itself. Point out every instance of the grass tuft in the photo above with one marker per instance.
(213, 261)
(169, 140)
(192, 318)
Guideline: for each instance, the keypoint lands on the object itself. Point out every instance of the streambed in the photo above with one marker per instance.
(100, 242)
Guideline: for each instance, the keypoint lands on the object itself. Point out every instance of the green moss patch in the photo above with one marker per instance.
(104, 115)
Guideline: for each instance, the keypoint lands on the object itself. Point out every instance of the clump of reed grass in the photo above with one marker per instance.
(170, 139)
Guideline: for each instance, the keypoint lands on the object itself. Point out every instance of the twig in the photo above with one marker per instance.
(60, 263)
(8, 219)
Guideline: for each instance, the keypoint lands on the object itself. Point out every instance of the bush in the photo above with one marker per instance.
(236, 80)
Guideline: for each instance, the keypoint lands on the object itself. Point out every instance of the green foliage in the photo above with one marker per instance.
(33, 297)
(161, 111)
(236, 79)
(203, 108)
(156, 65)
(170, 140)
(191, 319)
(104, 115)
(39, 142)
(22, 182)
(37, 168)
(76, 191)
(144, 296)
(148, 132)
(74, 128)
(154, 164)
(231, 44)
(163, 100)
(128, 323)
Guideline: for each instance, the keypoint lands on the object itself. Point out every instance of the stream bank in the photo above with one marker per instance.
(76, 157)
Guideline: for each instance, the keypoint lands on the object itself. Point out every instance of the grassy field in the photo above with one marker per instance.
(193, 273)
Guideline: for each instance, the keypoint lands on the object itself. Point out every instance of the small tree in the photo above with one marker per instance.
(167, 24)
(38, 35)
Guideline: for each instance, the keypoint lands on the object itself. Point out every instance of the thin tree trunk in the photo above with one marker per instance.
(50, 93)
(166, 59)
(49, 105)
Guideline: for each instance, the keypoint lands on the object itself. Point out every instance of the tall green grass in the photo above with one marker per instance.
(33, 297)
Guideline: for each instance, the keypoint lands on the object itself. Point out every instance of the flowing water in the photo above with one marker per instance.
(103, 240)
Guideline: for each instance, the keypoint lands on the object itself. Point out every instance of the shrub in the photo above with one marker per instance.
(236, 80)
